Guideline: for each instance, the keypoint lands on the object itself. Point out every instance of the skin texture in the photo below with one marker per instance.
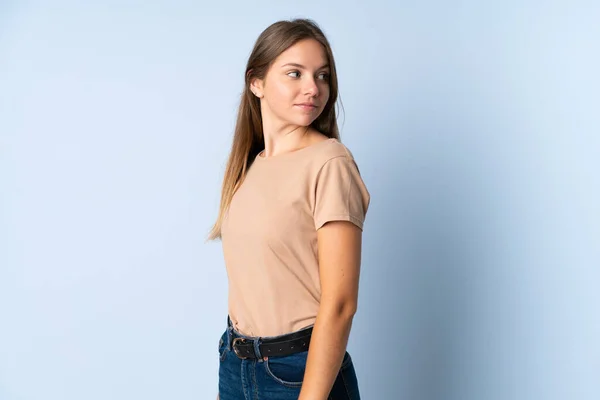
(299, 75)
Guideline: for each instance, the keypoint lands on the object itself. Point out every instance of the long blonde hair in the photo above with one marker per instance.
(248, 139)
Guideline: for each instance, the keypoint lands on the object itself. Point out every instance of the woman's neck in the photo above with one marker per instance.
(283, 141)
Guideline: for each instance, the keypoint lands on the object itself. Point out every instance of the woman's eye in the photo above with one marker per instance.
(296, 74)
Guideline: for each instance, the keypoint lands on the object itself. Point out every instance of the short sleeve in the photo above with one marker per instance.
(340, 193)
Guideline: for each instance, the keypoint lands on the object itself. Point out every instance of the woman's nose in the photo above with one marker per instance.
(311, 88)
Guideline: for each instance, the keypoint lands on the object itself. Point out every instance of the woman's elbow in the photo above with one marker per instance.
(345, 309)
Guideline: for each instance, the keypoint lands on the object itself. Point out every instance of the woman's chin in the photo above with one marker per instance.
(303, 121)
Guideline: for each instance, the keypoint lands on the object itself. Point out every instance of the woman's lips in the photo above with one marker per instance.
(307, 107)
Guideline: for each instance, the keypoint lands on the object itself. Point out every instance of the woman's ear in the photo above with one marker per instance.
(256, 86)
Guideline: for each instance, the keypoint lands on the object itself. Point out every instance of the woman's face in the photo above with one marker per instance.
(296, 87)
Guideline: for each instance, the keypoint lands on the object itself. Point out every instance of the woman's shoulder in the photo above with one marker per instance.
(332, 148)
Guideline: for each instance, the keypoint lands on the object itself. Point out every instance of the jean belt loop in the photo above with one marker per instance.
(259, 356)
(229, 333)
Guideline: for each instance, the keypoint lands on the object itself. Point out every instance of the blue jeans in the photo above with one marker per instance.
(273, 378)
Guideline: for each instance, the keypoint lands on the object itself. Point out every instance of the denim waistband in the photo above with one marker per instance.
(232, 334)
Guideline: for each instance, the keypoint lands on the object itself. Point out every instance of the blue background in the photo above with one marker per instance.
(476, 128)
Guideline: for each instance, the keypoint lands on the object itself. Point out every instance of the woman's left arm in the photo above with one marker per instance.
(339, 249)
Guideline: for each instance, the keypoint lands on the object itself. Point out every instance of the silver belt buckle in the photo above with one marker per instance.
(235, 350)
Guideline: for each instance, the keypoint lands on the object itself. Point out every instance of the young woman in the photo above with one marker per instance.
(291, 217)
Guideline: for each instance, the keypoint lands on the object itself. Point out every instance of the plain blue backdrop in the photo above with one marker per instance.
(476, 128)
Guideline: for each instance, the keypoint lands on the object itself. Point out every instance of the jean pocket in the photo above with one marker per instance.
(288, 370)
(346, 361)
(346, 384)
(223, 347)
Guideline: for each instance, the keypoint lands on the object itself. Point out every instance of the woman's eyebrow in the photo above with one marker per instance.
(301, 66)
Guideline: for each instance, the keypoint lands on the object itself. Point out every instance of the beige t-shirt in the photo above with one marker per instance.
(269, 234)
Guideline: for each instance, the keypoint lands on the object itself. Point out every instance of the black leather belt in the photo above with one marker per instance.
(276, 347)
